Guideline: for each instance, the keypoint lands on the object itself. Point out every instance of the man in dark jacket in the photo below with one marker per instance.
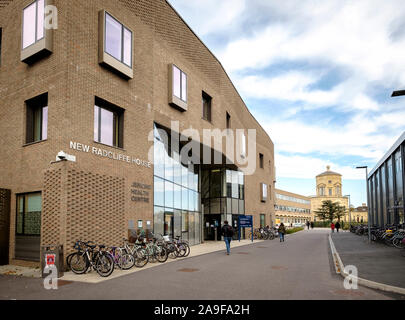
(227, 232)
(337, 226)
(281, 232)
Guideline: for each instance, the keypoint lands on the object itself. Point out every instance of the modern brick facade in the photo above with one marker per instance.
(91, 199)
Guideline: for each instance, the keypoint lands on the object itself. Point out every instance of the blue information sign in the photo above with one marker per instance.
(245, 222)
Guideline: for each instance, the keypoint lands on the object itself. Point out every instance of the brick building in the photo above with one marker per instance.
(104, 86)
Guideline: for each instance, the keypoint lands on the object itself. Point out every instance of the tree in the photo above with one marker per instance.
(330, 211)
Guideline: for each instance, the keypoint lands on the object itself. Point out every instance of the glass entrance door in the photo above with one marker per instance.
(212, 227)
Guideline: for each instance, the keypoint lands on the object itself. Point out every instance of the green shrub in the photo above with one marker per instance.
(293, 230)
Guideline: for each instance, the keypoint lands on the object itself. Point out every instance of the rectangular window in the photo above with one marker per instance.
(263, 192)
(179, 84)
(261, 157)
(118, 40)
(330, 192)
(228, 121)
(33, 23)
(206, 102)
(243, 149)
(29, 208)
(37, 119)
(262, 220)
(108, 124)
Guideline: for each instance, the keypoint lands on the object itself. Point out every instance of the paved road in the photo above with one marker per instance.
(300, 268)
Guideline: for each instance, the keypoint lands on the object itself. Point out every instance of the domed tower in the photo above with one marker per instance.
(329, 184)
(328, 187)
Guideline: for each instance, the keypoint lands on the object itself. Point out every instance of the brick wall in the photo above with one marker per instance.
(4, 225)
(82, 205)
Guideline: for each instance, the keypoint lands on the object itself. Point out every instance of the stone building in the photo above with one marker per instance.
(292, 208)
(328, 187)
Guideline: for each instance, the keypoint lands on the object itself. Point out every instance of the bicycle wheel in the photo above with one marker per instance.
(126, 261)
(104, 264)
(161, 254)
(271, 236)
(172, 251)
(187, 249)
(68, 258)
(141, 258)
(398, 243)
(78, 263)
(181, 250)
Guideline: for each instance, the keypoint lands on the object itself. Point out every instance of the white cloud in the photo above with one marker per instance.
(210, 16)
(308, 168)
(364, 41)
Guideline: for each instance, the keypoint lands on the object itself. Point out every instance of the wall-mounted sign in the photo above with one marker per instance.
(109, 154)
(140, 192)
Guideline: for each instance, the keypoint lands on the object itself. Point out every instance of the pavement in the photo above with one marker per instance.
(299, 268)
(197, 250)
(92, 277)
(375, 262)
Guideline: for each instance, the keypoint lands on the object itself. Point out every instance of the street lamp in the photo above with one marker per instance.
(350, 215)
(398, 93)
(368, 203)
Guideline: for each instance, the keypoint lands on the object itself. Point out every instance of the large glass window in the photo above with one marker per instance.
(33, 23)
(176, 191)
(108, 124)
(118, 40)
(29, 208)
(37, 119)
(399, 177)
(384, 215)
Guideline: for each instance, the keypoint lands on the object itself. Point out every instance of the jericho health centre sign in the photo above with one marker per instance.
(116, 156)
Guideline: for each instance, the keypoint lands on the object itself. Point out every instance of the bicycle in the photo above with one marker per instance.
(155, 251)
(90, 258)
(138, 252)
(122, 259)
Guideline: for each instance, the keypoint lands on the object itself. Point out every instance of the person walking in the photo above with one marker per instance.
(312, 225)
(332, 226)
(337, 226)
(227, 232)
(281, 232)
(308, 224)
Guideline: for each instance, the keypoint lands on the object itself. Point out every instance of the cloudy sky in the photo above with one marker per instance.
(318, 75)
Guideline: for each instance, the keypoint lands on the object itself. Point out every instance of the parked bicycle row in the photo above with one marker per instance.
(391, 235)
(90, 256)
(264, 234)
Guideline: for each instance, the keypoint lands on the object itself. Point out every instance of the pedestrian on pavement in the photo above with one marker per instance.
(308, 224)
(281, 232)
(332, 226)
(337, 226)
(312, 224)
(227, 232)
